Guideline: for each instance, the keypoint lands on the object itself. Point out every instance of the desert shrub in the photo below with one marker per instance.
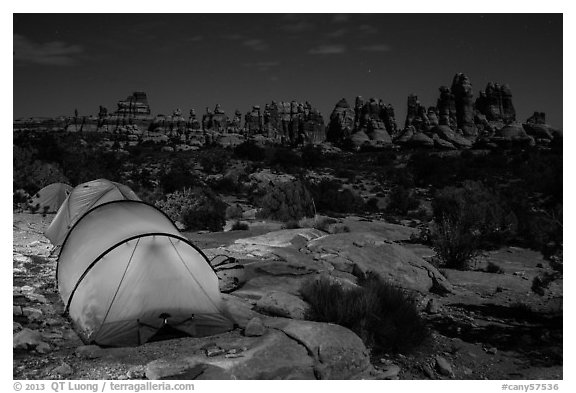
(227, 185)
(382, 315)
(401, 177)
(372, 205)
(250, 151)
(494, 268)
(32, 174)
(196, 208)
(328, 197)
(339, 228)
(213, 160)
(401, 200)
(454, 244)
(330, 302)
(150, 195)
(542, 282)
(476, 209)
(286, 159)
(312, 156)
(286, 202)
(385, 158)
(421, 214)
(538, 229)
(292, 224)
(345, 174)
(240, 226)
(20, 199)
(324, 223)
(178, 176)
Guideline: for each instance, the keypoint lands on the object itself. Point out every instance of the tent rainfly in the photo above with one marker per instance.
(50, 198)
(81, 199)
(125, 273)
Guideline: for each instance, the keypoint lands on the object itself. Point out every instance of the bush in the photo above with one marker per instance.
(476, 209)
(494, 268)
(339, 228)
(312, 156)
(196, 209)
(213, 160)
(240, 226)
(324, 223)
(286, 202)
(250, 151)
(329, 198)
(401, 200)
(180, 175)
(227, 185)
(372, 205)
(292, 224)
(382, 315)
(455, 246)
(20, 199)
(542, 282)
(31, 174)
(286, 159)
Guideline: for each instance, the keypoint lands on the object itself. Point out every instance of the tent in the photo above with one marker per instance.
(81, 199)
(50, 198)
(125, 273)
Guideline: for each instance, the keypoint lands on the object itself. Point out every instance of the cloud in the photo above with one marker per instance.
(195, 38)
(376, 48)
(55, 53)
(255, 44)
(262, 65)
(337, 33)
(233, 37)
(340, 18)
(328, 50)
(297, 23)
(368, 29)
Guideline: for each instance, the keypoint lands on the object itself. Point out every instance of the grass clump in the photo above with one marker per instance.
(381, 314)
(454, 245)
(401, 201)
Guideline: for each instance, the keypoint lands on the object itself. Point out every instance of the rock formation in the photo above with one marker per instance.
(458, 121)
(253, 121)
(342, 122)
(371, 123)
(289, 123)
(134, 105)
(536, 127)
(416, 115)
(193, 122)
(464, 103)
(446, 107)
(495, 102)
(215, 120)
(235, 126)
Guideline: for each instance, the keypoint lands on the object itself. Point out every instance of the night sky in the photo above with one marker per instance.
(68, 61)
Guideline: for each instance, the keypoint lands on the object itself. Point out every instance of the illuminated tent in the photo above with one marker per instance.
(125, 273)
(50, 198)
(81, 199)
